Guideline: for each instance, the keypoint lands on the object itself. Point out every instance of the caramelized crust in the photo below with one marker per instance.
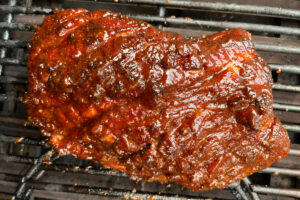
(109, 88)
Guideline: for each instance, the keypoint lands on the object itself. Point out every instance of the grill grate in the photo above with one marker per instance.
(26, 173)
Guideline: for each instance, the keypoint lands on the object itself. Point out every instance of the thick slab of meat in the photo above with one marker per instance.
(109, 88)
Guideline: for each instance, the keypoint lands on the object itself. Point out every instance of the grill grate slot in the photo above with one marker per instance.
(12, 127)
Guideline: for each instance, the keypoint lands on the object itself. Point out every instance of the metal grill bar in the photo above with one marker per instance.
(221, 24)
(277, 191)
(283, 171)
(89, 171)
(13, 43)
(238, 192)
(276, 48)
(286, 107)
(12, 61)
(293, 128)
(23, 9)
(294, 152)
(291, 88)
(161, 13)
(15, 26)
(263, 10)
(286, 68)
(122, 194)
(248, 184)
(21, 192)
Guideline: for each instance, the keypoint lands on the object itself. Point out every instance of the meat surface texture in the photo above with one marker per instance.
(157, 106)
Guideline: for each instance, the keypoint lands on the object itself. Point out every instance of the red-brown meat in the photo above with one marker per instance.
(109, 88)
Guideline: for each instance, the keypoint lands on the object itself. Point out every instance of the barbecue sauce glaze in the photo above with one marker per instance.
(109, 88)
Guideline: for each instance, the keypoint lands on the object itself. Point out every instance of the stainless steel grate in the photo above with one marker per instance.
(24, 172)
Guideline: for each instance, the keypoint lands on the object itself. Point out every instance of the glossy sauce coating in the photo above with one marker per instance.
(109, 88)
